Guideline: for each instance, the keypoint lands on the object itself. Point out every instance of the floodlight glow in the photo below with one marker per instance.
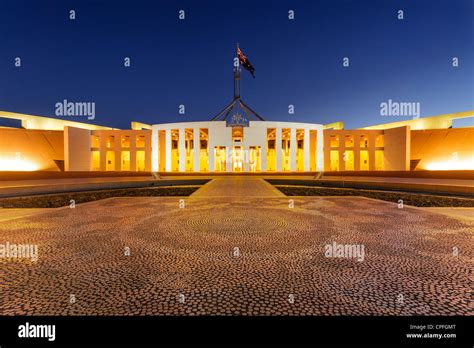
(453, 164)
(17, 164)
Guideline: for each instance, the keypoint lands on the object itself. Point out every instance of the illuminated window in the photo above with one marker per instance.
(313, 150)
(125, 160)
(364, 160)
(189, 149)
(286, 153)
(271, 133)
(300, 150)
(349, 141)
(334, 160)
(140, 141)
(140, 161)
(334, 140)
(364, 141)
(125, 141)
(174, 150)
(237, 134)
(237, 159)
(110, 141)
(379, 141)
(220, 158)
(300, 144)
(271, 149)
(378, 160)
(204, 155)
(254, 159)
(95, 141)
(162, 150)
(110, 161)
(96, 160)
(349, 160)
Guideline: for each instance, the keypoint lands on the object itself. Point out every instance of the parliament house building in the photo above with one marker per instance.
(237, 145)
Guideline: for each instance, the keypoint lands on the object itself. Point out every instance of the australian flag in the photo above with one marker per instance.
(245, 62)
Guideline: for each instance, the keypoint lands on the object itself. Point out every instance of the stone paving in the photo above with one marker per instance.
(238, 249)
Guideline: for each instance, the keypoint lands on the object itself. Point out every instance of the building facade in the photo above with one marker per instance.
(431, 143)
(214, 147)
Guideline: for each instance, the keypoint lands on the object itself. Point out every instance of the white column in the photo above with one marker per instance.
(211, 152)
(278, 149)
(246, 157)
(197, 149)
(103, 151)
(293, 147)
(320, 150)
(182, 150)
(263, 156)
(154, 149)
(306, 149)
(168, 149)
(228, 158)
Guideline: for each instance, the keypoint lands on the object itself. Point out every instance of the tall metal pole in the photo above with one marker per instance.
(237, 79)
(236, 83)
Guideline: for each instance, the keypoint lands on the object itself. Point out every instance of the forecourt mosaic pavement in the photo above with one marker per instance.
(236, 248)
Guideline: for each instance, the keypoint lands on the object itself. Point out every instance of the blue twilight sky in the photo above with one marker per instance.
(189, 61)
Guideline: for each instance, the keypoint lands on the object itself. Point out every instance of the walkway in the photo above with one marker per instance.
(240, 255)
(238, 186)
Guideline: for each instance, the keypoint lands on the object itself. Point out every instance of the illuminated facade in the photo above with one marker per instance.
(432, 143)
(214, 147)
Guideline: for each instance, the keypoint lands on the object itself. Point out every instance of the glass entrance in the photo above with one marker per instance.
(220, 158)
(237, 159)
(254, 158)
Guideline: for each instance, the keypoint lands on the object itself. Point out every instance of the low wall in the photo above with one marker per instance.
(440, 174)
(425, 174)
(13, 176)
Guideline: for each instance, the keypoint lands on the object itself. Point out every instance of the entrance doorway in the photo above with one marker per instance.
(220, 157)
(237, 159)
(254, 159)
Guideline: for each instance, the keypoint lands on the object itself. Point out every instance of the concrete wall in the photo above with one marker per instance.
(77, 149)
(397, 148)
(443, 149)
(22, 149)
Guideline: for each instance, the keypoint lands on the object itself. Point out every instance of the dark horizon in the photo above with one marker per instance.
(189, 61)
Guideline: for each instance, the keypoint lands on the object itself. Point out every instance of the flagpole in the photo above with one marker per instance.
(237, 79)
(247, 111)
